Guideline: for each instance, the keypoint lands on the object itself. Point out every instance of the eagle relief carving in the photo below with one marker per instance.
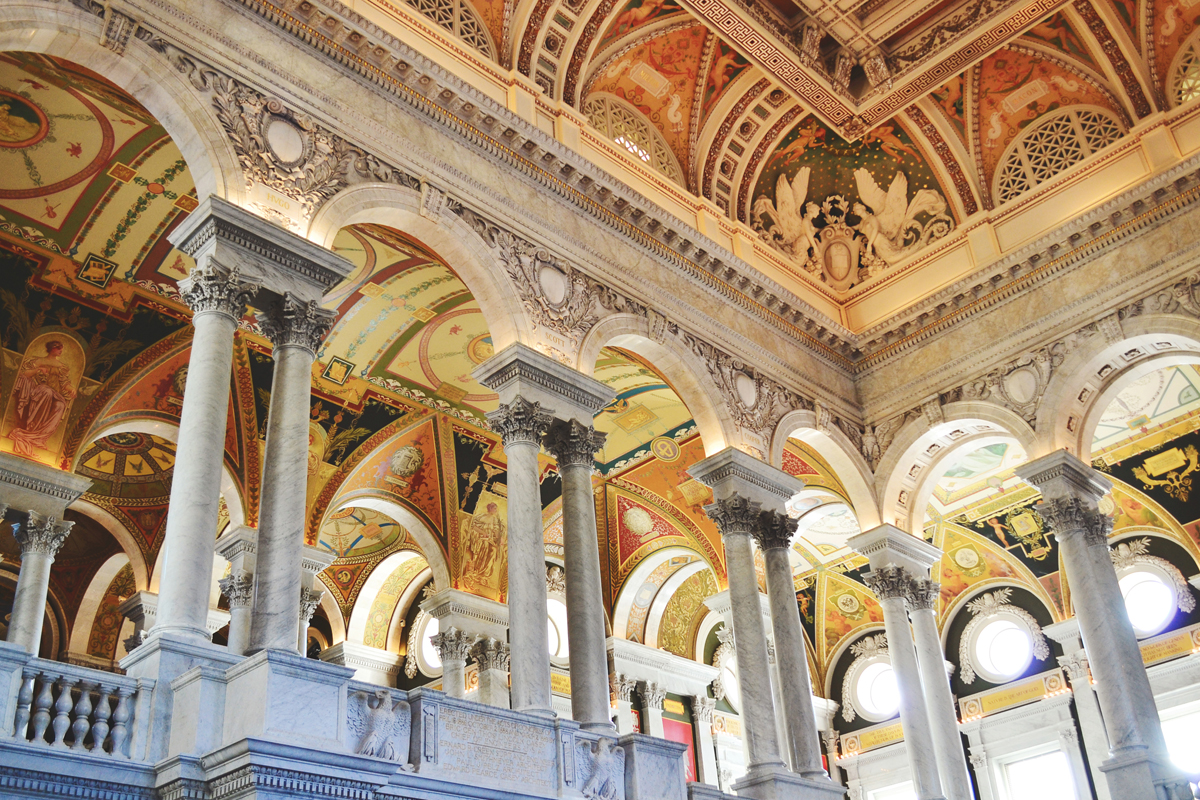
(382, 726)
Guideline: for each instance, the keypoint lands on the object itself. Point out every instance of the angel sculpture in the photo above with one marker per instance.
(792, 221)
(891, 225)
(383, 728)
(608, 771)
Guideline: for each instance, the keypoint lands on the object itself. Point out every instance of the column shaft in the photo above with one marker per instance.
(296, 329)
(521, 424)
(947, 741)
(795, 683)
(890, 584)
(218, 300)
(574, 446)
(29, 601)
(492, 657)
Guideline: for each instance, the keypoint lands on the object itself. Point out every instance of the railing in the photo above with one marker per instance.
(63, 705)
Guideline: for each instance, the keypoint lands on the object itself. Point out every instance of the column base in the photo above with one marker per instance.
(1137, 775)
(766, 782)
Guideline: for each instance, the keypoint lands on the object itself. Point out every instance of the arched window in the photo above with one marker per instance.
(461, 19)
(1053, 145)
(1185, 72)
(626, 126)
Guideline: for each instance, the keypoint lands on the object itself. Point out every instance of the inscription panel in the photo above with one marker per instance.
(497, 749)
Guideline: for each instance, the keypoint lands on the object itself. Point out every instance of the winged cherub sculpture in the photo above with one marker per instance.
(791, 221)
(891, 224)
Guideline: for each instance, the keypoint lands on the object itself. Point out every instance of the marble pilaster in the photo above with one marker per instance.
(706, 756)
(1087, 707)
(652, 694)
(622, 688)
(237, 546)
(943, 719)
(1138, 767)
(313, 561)
(295, 328)
(309, 600)
(453, 646)
(492, 657)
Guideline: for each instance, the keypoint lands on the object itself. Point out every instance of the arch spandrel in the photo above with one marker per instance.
(841, 454)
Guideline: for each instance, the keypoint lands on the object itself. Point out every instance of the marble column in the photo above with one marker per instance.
(706, 751)
(309, 600)
(891, 584)
(574, 445)
(830, 737)
(652, 694)
(238, 588)
(623, 687)
(492, 657)
(295, 328)
(521, 425)
(1083, 694)
(774, 536)
(947, 741)
(40, 538)
(218, 297)
(737, 517)
(453, 646)
(1138, 767)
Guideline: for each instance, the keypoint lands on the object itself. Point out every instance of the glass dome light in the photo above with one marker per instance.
(1149, 600)
(877, 692)
(1003, 649)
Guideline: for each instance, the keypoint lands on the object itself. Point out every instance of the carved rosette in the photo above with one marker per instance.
(653, 694)
(42, 535)
(309, 600)
(622, 687)
(889, 582)
(520, 422)
(774, 531)
(702, 708)
(238, 588)
(923, 594)
(574, 444)
(453, 645)
(556, 579)
(215, 290)
(291, 322)
(734, 515)
(1072, 516)
(490, 654)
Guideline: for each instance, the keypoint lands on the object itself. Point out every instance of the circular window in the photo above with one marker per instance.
(428, 659)
(1149, 601)
(556, 629)
(1003, 649)
(875, 692)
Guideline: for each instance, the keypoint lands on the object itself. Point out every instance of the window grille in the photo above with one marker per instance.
(1053, 146)
(627, 127)
(459, 18)
(1185, 78)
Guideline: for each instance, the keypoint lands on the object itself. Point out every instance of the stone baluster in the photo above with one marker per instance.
(574, 445)
(40, 539)
(623, 686)
(774, 535)
(653, 694)
(100, 719)
(295, 329)
(82, 723)
(218, 299)
(891, 585)
(453, 646)
(1138, 767)
(24, 707)
(120, 722)
(947, 741)
(521, 425)
(62, 712)
(41, 708)
(492, 656)
(706, 752)
(309, 600)
(238, 588)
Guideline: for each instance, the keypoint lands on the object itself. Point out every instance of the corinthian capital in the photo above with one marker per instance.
(889, 582)
(774, 530)
(238, 588)
(214, 289)
(1073, 516)
(622, 686)
(309, 600)
(653, 694)
(573, 444)
(520, 422)
(490, 653)
(453, 644)
(292, 322)
(734, 515)
(923, 594)
(44, 535)
(702, 708)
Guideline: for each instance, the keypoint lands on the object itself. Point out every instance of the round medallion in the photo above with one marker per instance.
(746, 389)
(22, 123)
(126, 441)
(480, 349)
(848, 603)
(966, 557)
(285, 140)
(638, 521)
(554, 285)
(664, 449)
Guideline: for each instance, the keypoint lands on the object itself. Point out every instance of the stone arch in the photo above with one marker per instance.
(843, 648)
(628, 591)
(936, 469)
(393, 507)
(452, 238)
(81, 630)
(1088, 379)
(150, 77)
(360, 614)
(841, 454)
(337, 625)
(396, 633)
(686, 373)
(132, 553)
(659, 606)
(905, 464)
